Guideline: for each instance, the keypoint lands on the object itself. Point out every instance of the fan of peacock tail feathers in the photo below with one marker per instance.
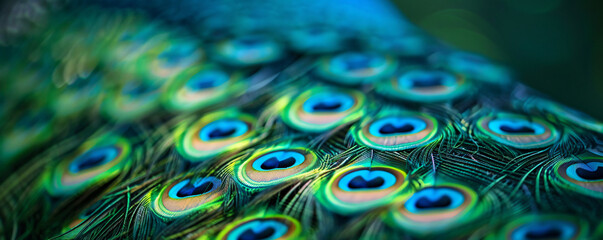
(276, 120)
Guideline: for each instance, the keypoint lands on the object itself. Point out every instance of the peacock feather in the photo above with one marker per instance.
(245, 120)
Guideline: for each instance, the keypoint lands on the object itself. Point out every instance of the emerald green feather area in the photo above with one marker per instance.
(276, 119)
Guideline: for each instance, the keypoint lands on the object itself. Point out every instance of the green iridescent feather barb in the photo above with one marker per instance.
(256, 120)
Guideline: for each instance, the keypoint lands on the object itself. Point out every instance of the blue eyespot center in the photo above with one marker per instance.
(434, 198)
(222, 132)
(175, 54)
(427, 203)
(355, 61)
(328, 103)
(278, 160)
(189, 189)
(517, 129)
(326, 106)
(250, 234)
(359, 182)
(364, 179)
(420, 79)
(137, 89)
(93, 158)
(186, 188)
(515, 126)
(551, 229)
(591, 171)
(259, 229)
(427, 81)
(226, 128)
(273, 163)
(206, 79)
(391, 126)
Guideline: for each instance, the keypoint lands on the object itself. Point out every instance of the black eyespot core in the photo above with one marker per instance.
(359, 182)
(391, 129)
(203, 84)
(190, 190)
(222, 132)
(250, 41)
(588, 174)
(426, 203)
(91, 161)
(250, 234)
(427, 81)
(517, 129)
(273, 163)
(326, 106)
(545, 233)
(357, 63)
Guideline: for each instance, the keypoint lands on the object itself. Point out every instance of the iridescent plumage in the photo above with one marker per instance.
(257, 120)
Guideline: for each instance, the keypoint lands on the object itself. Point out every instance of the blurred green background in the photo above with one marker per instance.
(554, 46)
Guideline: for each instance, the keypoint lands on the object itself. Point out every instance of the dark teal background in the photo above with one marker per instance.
(555, 46)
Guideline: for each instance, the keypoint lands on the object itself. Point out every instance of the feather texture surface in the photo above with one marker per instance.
(277, 120)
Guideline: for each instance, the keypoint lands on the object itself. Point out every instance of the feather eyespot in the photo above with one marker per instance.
(434, 208)
(518, 131)
(271, 166)
(314, 39)
(322, 109)
(392, 131)
(93, 158)
(215, 133)
(133, 42)
(265, 227)
(188, 189)
(544, 227)
(424, 85)
(96, 160)
(135, 99)
(353, 68)
(585, 175)
(434, 199)
(200, 87)
(187, 196)
(248, 50)
(592, 171)
(170, 58)
(78, 95)
(357, 188)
